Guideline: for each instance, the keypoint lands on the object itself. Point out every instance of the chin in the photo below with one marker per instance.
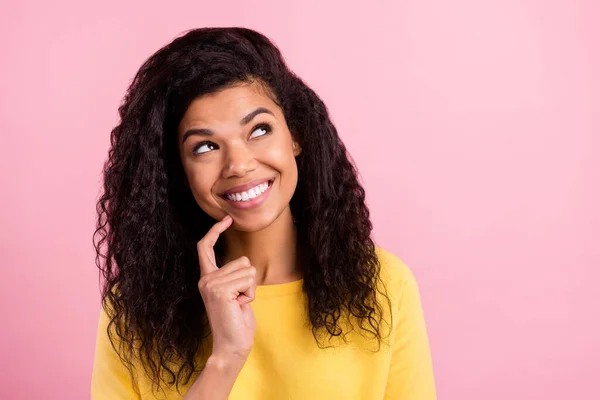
(252, 223)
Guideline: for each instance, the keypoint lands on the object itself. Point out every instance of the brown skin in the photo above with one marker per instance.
(226, 292)
(261, 244)
(236, 155)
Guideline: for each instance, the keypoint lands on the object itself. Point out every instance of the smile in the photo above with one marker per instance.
(249, 194)
(250, 198)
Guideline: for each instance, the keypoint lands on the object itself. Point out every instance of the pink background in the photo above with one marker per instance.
(475, 125)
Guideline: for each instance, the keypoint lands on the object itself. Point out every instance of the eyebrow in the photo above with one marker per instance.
(244, 121)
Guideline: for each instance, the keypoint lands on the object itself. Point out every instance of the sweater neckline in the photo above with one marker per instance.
(280, 289)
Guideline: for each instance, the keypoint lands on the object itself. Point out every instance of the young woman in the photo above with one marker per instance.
(235, 243)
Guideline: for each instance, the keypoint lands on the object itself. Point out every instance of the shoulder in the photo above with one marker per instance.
(393, 268)
(394, 273)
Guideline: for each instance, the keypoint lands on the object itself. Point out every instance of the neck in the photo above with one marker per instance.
(272, 250)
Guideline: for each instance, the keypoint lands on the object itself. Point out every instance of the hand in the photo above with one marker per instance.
(227, 292)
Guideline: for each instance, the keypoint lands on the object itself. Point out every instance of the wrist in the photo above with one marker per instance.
(226, 363)
(217, 378)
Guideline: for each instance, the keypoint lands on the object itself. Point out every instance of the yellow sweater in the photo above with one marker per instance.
(286, 362)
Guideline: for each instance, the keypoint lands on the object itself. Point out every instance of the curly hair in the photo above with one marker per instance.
(149, 223)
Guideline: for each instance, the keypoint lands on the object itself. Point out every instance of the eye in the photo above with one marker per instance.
(203, 147)
(261, 129)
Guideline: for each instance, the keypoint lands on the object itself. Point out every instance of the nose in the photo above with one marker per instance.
(239, 160)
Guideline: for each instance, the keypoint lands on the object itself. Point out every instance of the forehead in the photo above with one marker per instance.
(227, 106)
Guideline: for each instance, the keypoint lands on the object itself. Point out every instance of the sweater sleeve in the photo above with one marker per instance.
(110, 377)
(411, 371)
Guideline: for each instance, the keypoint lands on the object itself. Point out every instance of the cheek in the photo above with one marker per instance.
(282, 159)
(280, 155)
(201, 183)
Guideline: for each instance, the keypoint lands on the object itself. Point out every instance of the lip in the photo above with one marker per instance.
(245, 186)
(255, 202)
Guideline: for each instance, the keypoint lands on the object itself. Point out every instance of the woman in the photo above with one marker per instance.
(236, 242)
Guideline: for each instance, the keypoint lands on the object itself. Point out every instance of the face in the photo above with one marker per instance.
(238, 156)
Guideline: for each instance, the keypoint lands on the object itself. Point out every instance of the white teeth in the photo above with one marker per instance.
(250, 194)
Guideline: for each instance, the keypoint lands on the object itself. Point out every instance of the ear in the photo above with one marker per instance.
(296, 149)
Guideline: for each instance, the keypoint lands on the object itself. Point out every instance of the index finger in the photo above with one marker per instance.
(206, 253)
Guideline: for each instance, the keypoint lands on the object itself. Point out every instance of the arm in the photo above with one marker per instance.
(216, 379)
(110, 378)
(411, 372)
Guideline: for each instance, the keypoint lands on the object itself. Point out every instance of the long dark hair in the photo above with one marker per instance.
(149, 223)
